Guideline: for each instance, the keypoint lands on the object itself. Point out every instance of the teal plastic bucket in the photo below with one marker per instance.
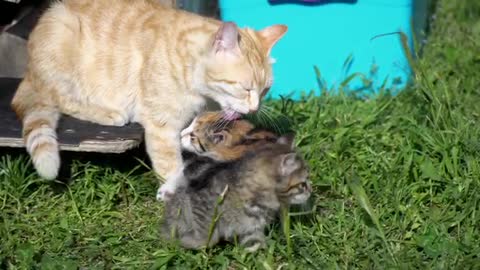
(353, 43)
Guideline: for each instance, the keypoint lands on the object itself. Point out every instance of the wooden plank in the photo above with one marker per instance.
(169, 3)
(73, 134)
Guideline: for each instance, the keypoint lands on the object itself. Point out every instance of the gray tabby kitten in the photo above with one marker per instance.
(251, 189)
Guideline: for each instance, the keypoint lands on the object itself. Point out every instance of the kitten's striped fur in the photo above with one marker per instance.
(211, 136)
(253, 188)
(115, 62)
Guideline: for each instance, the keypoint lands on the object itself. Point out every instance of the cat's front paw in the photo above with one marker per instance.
(166, 191)
(117, 119)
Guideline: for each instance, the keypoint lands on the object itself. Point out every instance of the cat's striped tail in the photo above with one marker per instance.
(39, 116)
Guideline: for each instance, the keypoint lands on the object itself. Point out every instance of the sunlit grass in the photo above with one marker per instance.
(396, 180)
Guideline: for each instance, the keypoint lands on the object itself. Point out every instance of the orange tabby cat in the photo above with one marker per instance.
(114, 62)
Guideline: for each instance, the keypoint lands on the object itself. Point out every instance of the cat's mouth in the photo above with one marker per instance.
(231, 115)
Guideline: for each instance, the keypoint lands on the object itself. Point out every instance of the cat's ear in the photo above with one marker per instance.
(226, 39)
(288, 139)
(270, 35)
(289, 164)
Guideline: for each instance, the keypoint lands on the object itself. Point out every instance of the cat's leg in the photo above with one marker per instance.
(163, 148)
(253, 240)
(171, 183)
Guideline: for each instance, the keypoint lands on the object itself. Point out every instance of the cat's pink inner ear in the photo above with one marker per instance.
(226, 38)
(271, 35)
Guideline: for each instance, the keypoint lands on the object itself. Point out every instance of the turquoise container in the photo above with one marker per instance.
(342, 38)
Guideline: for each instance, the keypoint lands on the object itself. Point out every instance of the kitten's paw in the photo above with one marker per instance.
(166, 191)
(255, 246)
(254, 242)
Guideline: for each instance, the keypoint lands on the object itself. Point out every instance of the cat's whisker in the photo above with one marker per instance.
(269, 121)
(217, 123)
(262, 117)
(272, 111)
(272, 120)
(221, 123)
(276, 121)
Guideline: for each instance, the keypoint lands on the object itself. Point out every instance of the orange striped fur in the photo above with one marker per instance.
(115, 62)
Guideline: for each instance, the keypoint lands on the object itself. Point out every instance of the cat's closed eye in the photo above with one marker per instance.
(246, 87)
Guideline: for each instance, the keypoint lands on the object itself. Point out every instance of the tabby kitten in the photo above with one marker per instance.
(136, 61)
(210, 136)
(251, 190)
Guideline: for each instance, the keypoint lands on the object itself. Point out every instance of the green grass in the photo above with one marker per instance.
(396, 179)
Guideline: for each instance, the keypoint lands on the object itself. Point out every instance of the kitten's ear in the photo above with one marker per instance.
(218, 137)
(226, 38)
(270, 35)
(289, 164)
(288, 139)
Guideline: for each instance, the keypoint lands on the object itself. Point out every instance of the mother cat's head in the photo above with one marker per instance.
(236, 70)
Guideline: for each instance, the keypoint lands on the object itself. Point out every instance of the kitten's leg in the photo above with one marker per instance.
(163, 148)
(193, 241)
(197, 240)
(253, 240)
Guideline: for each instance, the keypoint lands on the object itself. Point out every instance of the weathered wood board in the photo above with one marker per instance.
(73, 134)
(169, 3)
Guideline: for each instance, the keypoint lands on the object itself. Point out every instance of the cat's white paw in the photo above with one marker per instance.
(117, 119)
(166, 191)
